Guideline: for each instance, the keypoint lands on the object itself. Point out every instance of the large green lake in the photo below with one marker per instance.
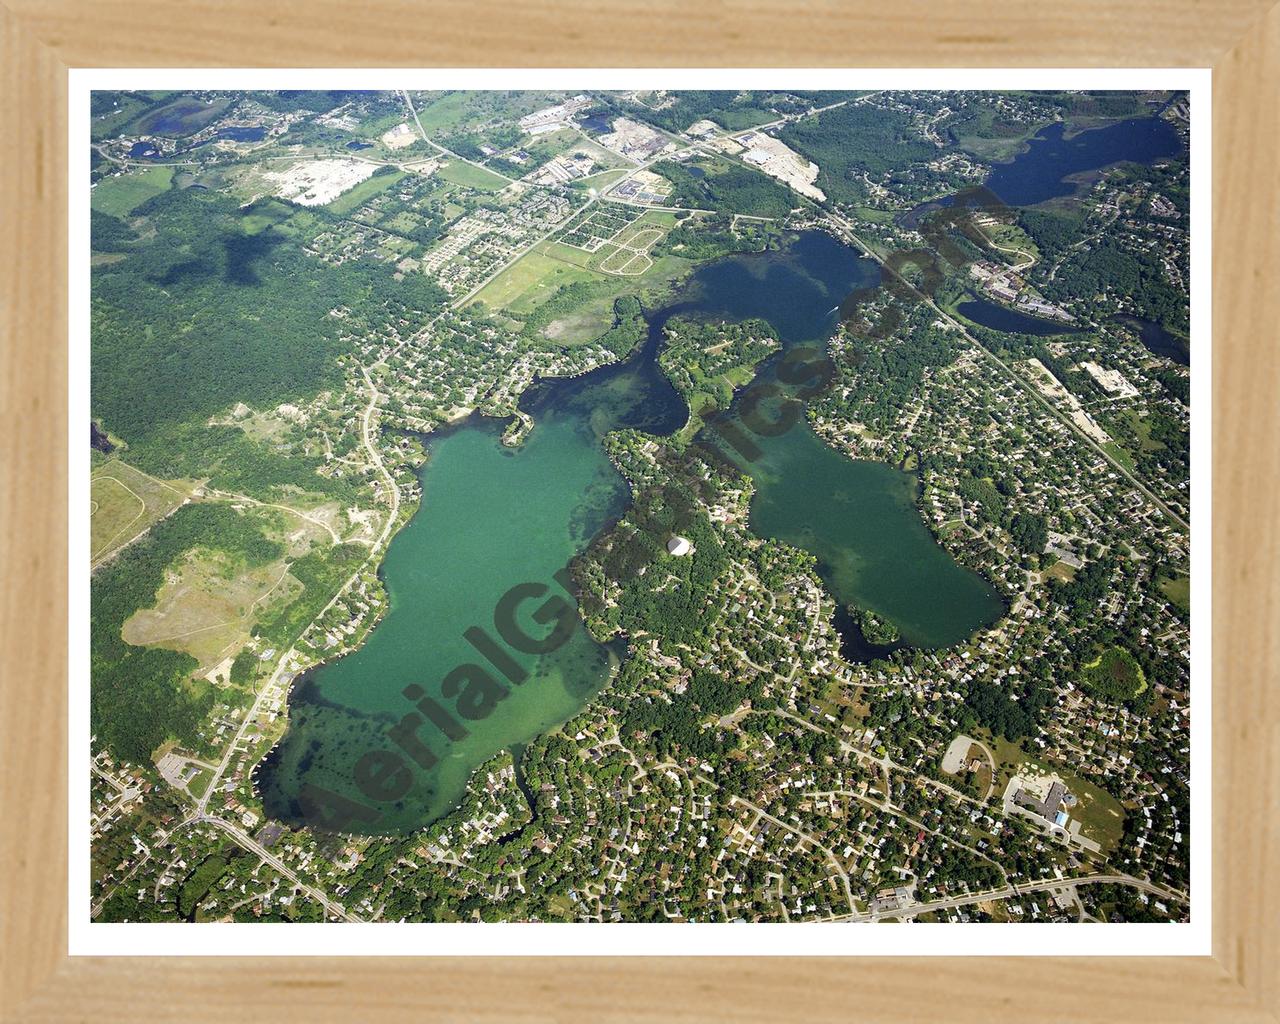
(493, 518)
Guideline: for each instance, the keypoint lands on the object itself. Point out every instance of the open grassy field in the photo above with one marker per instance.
(993, 144)
(1010, 236)
(115, 113)
(1121, 455)
(584, 325)
(462, 173)
(1142, 427)
(1100, 815)
(1061, 571)
(121, 194)
(124, 502)
(206, 609)
(362, 192)
(535, 278)
(600, 180)
(459, 110)
(1178, 591)
(531, 280)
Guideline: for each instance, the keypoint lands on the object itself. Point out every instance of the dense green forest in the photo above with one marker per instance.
(204, 314)
(320, 573)
(850, 140)
(1114, 675)
(710, 237)
(733, 190)
(629, 326)
(670, 598)
(141, 695)
(729, 109)
(1054, 231)
(991, 707)
(1108, 267)
(884, 375)
(699, 354)
(677, 726)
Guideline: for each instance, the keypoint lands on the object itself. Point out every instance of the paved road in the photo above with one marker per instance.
(1011, 891)
(444, 149)
(245, 840)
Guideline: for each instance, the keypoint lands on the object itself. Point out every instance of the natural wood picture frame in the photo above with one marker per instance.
(42, 39)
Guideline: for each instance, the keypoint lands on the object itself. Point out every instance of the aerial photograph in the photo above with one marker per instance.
(639, 506)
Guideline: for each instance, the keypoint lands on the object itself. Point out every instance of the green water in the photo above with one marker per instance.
(493, 518)
(857, 517)
(860, 520)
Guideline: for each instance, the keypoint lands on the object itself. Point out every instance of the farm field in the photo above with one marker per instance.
(462, 173)
(123, 193)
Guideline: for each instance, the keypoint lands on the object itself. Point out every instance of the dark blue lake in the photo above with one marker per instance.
(1001, 318)
(596, 123)
(1037, 174)
(1158, 340)
(242, 134)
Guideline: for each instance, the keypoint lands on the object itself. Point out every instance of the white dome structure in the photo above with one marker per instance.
(679, 546)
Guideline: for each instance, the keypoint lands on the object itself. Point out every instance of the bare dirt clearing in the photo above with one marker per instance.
(206, 608)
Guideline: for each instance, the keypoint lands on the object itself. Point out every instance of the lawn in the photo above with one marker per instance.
(1121, 455)
(123, 193)
(1142, 428)
(199, 783)
(462, 173)
(1061, 571)
(1178, 591)
(1100, 815)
